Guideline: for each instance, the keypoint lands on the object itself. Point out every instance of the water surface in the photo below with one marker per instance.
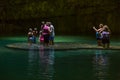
(80, 64)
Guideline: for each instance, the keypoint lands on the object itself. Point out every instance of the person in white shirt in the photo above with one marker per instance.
(52, 34)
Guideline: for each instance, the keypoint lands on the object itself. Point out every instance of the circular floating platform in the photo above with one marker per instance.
(59, 46)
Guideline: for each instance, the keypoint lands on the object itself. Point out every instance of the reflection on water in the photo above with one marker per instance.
(69, 65)
(101, 65)
(40, 63)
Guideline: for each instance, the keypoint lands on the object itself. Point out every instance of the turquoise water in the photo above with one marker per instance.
(59, 65)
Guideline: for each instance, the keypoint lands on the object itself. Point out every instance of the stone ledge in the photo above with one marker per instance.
(59, 46)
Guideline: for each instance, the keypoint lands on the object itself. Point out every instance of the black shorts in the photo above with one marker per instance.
(105, 41)
(46, 38)
(98, 38)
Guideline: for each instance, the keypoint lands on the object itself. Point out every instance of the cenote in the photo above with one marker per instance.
(82, 64)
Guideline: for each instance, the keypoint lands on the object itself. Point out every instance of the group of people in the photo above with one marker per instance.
(46, 34)
(103, 35)
(32, 34)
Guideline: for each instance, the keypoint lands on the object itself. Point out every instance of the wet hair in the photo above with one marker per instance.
(35, 28)
(43, 22)
(101, 25)
(30, 29)
(106, 28)
(48, 23)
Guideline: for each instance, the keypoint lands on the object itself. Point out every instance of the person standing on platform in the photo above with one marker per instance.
(106, 37)
(46, 33)
(52, 34)
(35, 32)
(98, 34)
(41, 37)
(30, 36)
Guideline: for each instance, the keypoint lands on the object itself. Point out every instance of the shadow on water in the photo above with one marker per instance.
(40, 64)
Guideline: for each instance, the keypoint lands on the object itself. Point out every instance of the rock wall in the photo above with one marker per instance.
(68, 16)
